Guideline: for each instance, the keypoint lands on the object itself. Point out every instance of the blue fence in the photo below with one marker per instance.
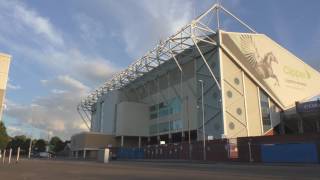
(289, 153)
(130, 153)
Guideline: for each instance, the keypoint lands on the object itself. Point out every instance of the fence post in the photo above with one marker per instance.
(4, 156)
(10, 152)
(18, 155)
(250, 155)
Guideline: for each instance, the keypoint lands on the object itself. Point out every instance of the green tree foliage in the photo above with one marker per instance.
(56, 144)
(4, 138)
(19, 141)
(40, 145)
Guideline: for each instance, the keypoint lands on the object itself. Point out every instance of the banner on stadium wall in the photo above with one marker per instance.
(284, 76)
(308, 107)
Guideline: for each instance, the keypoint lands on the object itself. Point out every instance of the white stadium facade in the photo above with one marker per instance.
(201, 83)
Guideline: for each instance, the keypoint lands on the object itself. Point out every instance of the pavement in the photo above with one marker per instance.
(83, 170)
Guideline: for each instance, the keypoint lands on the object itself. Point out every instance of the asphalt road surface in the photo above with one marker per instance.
(80, 170)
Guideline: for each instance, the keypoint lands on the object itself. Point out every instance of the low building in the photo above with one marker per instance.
(87, 144)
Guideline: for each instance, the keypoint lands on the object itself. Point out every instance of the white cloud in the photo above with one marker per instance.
(38, 24)
(146, 22)
(65, 81)
(91, 29)
(55, 112)
(15, 131)
(57, 91)
(12, 86)
(15, 13)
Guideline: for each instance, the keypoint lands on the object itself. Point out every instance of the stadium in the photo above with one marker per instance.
(202, 84)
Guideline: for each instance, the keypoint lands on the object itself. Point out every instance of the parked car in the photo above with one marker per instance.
(48, 155)
(44, 155)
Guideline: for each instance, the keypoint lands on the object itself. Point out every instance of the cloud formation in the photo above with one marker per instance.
(46, 47)
(12, 86)
(146, 22)
(55, 112)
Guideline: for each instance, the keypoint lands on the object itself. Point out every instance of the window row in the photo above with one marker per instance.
(165, 108)
(165, 126)
(265, 111)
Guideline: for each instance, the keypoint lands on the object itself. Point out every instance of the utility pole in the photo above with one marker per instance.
(188, 119)
(203, 128)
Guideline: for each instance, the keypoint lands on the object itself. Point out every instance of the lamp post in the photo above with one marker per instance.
(203, 129)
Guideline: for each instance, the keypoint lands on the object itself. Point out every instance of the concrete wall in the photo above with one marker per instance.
(276, 70)
(132, 119)
(105, 115)
(253, 108)
(241, 92)
(234, 92)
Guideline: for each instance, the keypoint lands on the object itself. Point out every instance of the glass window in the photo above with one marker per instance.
(176, 125)
(165, 109)
(163, 112)
(265, 111)
(152, 108)
(153, 116)
(175, 105)
(164, 127)
(161, 127)
(161, 105)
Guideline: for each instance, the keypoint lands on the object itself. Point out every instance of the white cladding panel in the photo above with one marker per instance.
(132, 119)
(105, 115)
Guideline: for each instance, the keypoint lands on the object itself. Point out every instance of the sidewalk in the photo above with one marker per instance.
(215, 162)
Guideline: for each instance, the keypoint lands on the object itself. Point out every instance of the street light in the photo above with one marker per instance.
(203, 129)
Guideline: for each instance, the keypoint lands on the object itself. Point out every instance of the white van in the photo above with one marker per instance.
(44, 155)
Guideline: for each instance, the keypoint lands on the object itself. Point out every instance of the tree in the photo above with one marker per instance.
(4, 138)
(40, 145)
(19, 141)
(56, 144)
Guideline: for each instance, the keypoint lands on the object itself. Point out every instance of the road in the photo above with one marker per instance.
(80, 170)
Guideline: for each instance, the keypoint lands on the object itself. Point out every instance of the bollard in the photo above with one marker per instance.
(10, 152)
(18, 155)
(29, 153)
(4, 156)
(0, 154)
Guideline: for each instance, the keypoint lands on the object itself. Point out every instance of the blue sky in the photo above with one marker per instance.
(63, 49)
